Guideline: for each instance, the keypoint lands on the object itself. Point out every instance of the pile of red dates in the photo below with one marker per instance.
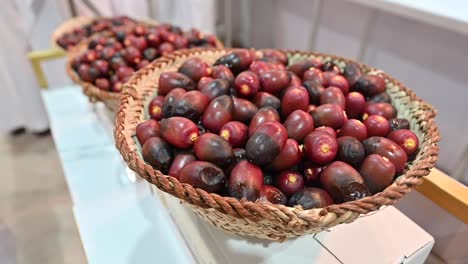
(254, 126)
(111, 58)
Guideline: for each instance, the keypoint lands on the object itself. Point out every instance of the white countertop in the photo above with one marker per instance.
(121, 220)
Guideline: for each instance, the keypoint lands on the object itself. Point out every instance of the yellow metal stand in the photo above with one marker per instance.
(36, 57)
(447, 193)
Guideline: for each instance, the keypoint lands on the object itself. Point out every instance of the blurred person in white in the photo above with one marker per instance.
(200, 14)
(187, 14)
(21, 107)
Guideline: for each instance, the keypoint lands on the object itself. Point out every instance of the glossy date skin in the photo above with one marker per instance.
(266, 143)
(246, 181)
(254, 128)
(388, 149)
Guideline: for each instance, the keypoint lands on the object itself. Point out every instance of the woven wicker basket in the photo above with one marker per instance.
(110, 99)
(265, 220)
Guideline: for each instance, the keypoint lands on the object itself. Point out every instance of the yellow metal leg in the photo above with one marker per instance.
(37, 57)
(447, 193)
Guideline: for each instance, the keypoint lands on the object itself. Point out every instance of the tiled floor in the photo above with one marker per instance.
(36, 220)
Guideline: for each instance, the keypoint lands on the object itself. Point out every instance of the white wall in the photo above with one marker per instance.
(429, 60)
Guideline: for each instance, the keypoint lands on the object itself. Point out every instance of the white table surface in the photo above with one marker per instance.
(121, 220)
(384, 237)
(448, 14)
(130, 226)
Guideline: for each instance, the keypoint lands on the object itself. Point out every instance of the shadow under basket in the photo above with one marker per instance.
(265, 220)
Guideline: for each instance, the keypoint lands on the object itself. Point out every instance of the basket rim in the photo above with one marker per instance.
(132, 100)
(93, 92)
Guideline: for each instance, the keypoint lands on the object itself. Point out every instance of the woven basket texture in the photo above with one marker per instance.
(265, 220)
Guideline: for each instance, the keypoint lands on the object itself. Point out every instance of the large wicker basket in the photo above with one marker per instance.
(265, 220)
(110, 99)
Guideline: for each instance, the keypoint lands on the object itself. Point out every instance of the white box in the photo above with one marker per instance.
(384, 237)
